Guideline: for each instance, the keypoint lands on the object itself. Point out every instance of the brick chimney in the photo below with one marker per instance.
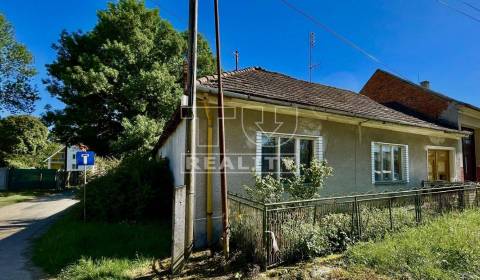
(425, 84)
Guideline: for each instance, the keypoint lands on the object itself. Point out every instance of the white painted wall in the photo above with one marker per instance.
(174, 149)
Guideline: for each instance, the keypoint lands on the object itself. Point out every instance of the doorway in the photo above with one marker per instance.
(469, 160)
(439, 165)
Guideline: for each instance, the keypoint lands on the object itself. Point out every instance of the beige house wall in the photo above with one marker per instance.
(347, 148)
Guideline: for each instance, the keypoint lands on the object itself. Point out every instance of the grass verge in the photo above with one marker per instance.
(447, 248)
(71, 249)
(7, 198)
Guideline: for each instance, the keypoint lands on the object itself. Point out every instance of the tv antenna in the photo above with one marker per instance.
(311, 65)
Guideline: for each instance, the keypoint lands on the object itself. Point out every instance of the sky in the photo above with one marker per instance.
(419, 40)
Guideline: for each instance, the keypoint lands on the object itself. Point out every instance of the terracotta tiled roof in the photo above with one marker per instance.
(258, 82)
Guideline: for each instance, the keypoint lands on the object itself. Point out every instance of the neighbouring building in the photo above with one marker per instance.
(422, 102)
(64, 158)
(270, 116)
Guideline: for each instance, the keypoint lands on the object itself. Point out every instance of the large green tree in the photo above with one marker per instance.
(130, 64)
(16, 70)
(24, 142)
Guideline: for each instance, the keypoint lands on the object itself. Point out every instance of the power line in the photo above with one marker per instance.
(458, 10)
(471, 6)
(338, 35)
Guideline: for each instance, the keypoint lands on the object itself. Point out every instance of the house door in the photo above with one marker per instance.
(438, 165)
(469, 160)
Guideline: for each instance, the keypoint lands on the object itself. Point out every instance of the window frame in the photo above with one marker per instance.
(404, 165)
(317, 149)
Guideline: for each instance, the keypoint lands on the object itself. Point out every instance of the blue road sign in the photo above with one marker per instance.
(85, 158)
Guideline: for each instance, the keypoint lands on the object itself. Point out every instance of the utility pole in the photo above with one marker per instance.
(189, 112)
(311, 66)
(236, 54)
(221, 136)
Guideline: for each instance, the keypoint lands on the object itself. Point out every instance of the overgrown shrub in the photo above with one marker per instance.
(266, 189)
(304, 184)
(338, 231)
(102, 166)
(376, 222)
(138, 188)
(305, 240)
(307, 183)
(245, 236)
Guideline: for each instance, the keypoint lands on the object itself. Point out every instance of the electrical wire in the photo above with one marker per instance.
(339, 36)
(471, 6)
(458, 10)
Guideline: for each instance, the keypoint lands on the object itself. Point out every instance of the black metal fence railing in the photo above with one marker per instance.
(260, 230)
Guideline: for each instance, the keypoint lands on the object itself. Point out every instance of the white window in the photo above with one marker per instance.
(274, 149)
(389, 163)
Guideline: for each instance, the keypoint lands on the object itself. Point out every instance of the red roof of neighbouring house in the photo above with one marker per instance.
(393, 91)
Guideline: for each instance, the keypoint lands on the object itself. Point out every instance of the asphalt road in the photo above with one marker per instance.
(19, 224)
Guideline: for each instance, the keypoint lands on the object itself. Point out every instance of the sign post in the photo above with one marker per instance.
(86, 158)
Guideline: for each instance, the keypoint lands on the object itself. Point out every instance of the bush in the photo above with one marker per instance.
(338, 232)
(306, 240)
(139, 188)
(335, 233)
(246, 237)
(376, 222)
(103, 165)
(305, 184)
(266, 189)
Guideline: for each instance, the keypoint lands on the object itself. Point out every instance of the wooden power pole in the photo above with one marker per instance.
(221, 136)
(189, 112)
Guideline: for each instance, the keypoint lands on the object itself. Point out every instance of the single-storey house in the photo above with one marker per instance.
(270, 116)
(422, 102)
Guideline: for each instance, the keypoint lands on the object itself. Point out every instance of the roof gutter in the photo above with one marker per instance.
(244, 96)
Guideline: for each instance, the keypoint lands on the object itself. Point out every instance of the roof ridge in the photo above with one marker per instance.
(209, 78)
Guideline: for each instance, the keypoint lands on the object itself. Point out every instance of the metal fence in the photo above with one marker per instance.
(28, 179)
(261, 230)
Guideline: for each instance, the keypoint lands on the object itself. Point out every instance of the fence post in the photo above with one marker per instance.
(356, 217)
(315, 214)
(418, 208)
(476, 197)
(390, 213)
(461, 197)
(265, 241)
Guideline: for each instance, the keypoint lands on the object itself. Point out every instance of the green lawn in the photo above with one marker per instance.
(447, 248)
(7, 198)
(74, 250)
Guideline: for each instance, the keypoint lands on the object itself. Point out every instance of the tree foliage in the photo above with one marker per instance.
(139, 134)
(16, 71)
(130, 64)
(24, 141)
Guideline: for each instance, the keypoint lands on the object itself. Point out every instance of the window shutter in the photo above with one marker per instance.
(258, 153)
(319, 150)
(372, 163)
(406, 169)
